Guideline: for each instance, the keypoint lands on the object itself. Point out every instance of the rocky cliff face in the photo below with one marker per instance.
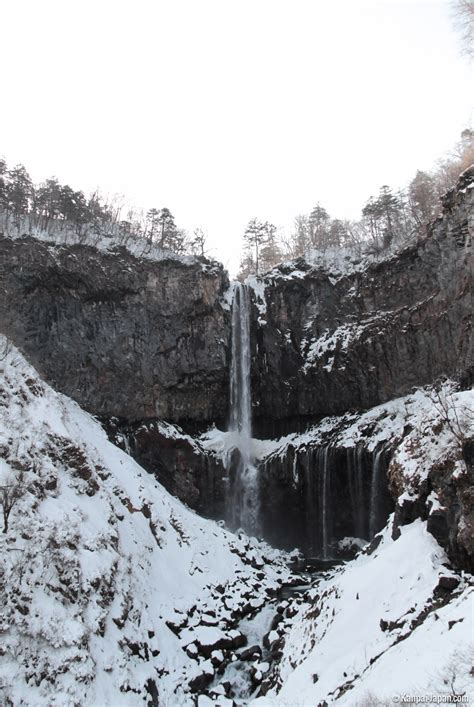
(135, 338)
(342, 477)
(123, 336)
(149, 340)
(177, 460)
(332, 342)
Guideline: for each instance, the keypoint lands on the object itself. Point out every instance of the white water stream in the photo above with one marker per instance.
(244, 498)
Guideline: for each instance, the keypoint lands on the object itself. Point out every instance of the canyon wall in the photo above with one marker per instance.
(329, 342)
(144, 340)
(136, 338)
(123, 336)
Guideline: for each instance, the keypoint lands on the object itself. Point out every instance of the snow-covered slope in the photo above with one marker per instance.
(114, 593)
(106, 578)
(384, 626)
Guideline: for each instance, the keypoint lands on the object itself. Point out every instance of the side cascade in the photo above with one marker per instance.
(243, 498)
(323, 498)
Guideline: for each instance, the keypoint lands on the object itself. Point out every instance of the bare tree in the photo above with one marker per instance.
(10, 492)
(198, 242)
(459, 419)
(464, 21)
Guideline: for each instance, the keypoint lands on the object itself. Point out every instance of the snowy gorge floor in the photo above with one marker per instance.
(114, 593)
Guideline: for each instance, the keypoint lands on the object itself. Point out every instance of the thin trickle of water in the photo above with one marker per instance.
(361, 503)
(375, 487)
(244, 501)
(355, 471)
(325, 501)
(311, 500)
(324, 469)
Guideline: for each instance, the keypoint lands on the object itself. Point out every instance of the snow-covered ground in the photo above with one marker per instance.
(100, 564)
(114, 593)
(379, 630)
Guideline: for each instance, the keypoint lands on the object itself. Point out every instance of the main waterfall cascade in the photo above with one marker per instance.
(332, 493)
(243, 498)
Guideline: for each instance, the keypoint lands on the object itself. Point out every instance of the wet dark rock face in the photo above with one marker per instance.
(178, 462)
(123, 336)
(331, 344)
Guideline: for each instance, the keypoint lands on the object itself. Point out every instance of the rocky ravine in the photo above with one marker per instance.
(115, 594)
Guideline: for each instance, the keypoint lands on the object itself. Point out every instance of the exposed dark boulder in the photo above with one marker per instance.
(252, 653)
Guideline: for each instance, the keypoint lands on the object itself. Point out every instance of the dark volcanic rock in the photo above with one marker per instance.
(123, 336)
(337, 342)
(449, 582)
(252, 653)
(177, 460)
(133, 338)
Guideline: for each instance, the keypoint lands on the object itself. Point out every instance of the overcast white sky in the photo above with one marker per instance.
(223, 110)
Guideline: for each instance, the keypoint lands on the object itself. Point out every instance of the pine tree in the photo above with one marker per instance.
(270, 253)
(153, 225)
(389, 208)
(422, 197)
(337, 235)
(73, 206)
(383, 215)
(254, 239)
(318, 226)
(19, 190)
(48, 199)
(166, 229)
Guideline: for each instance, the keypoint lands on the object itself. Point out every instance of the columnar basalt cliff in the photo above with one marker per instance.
(123, 336)
(317, 496)
(331, 342)
(145, 340)
(137, 339)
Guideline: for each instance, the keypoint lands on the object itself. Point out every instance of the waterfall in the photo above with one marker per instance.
(244, 498)
(355, 470)
(324, 501)
(325, 468)
(375, 489)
